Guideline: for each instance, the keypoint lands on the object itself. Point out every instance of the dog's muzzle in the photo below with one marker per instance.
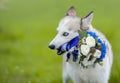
(66, 46)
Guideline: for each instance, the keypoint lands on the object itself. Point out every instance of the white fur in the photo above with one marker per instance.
(74, 71)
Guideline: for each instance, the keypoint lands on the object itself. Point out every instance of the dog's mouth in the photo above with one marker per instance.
(67, 46)
(60, 51)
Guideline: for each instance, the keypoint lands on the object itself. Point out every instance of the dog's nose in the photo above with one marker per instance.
(52, 46)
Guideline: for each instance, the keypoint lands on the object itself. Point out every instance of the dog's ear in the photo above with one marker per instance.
(86, 21)
(71, 12)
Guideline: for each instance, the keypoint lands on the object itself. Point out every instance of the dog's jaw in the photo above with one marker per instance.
(60, 52)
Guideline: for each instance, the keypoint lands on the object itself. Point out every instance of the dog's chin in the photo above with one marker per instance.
(60, 52)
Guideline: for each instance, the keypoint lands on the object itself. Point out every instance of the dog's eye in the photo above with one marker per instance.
(65, 34)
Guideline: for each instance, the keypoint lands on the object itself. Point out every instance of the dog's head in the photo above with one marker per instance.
(68, 28)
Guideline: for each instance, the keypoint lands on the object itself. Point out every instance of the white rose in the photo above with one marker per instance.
(97, 54)
(85, 49)
(90, 41)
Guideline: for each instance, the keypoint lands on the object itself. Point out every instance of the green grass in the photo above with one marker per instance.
(27, 27)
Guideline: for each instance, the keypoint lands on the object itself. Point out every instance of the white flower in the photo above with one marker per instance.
(97, 54)
(85, 49)
(90, 41)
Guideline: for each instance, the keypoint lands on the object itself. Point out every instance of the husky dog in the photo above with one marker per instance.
(67, 30)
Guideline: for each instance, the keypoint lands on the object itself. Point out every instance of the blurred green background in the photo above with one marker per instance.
(27, 27)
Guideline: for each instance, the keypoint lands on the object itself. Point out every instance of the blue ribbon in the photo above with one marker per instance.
(67, 46)
(103, 49)
(75, 54)
(72, 43)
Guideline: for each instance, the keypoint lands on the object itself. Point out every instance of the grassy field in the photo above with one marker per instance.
(27, 27)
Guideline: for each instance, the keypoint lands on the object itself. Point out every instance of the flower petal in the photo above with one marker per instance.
(97, 53)
(85, 49)
(90, 41)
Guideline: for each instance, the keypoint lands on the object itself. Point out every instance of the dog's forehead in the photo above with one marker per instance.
(68, 22)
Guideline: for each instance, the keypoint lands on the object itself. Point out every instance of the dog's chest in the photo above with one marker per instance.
(76, 71)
